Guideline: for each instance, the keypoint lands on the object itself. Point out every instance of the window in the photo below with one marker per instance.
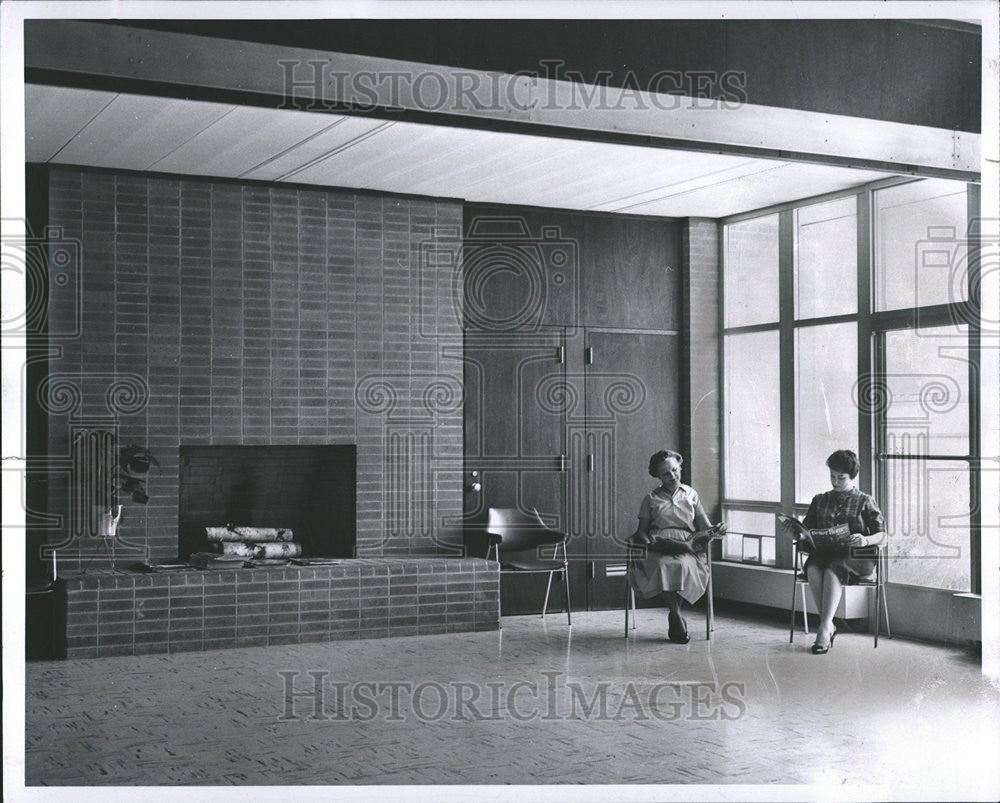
(752, 386)
(927, 504)
(749, 536)
(751, 291)
(753, 421)
(927, 391)
(857, 331)
(826, 259)
(826, 417)
(920, 232)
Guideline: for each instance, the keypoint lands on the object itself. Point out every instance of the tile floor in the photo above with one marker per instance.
(532, 704)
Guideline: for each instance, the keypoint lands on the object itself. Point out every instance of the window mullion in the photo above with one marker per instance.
(786, 363)
(975, 355)
(865, 268)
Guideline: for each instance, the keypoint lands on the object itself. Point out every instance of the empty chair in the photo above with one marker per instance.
(518, 541)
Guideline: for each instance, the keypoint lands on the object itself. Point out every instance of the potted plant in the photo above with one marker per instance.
(134, 463)
(125, 476)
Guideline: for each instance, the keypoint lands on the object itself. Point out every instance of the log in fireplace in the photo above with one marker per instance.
(311, 490)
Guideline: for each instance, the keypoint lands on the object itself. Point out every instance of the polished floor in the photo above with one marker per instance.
(536, 703)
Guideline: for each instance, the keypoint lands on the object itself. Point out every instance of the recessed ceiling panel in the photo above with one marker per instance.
(780, 183)
(134, 132)
(243, 140)
(335, 135)
(54, 115)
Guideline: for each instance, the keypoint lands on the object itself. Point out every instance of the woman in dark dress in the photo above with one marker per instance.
(830, 569)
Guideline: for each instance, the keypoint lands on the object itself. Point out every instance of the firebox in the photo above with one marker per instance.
(310, 490)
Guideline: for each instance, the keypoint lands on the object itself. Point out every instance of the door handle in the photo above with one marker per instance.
(474, 485)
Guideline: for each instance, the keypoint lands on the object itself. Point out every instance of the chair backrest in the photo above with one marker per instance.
(518, 530)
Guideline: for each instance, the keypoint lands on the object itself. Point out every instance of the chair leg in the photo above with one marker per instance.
(628, 588)
(878, 614)
(805, 609)
(885, 609)
(629, 606)
(881, 606)
(709, 613)
(569, 619)
(548, 588)
(791, 628)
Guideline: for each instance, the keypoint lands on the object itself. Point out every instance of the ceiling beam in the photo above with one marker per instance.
(116, 58)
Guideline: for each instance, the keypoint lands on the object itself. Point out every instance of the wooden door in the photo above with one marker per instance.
(515, 413)
(632, 410)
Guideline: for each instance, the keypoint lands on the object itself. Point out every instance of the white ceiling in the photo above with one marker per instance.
(135, 132)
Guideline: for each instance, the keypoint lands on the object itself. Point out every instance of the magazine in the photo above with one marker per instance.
(696, 540)
(703, 537)
(822, 538)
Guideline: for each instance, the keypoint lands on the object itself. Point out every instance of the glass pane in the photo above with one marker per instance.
(740, 523)
(751, 549)
(927, 391)
(753, 425)
(768, 551)
(826, 259)
(751, 285)
(927, 517)
(826, 416)
(920, 251)
(732, 547)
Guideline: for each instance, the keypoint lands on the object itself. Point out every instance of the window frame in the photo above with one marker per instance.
(872, 326)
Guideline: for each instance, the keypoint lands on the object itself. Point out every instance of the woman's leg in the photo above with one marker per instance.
(816, 577)
(673, 601)
(832, 591)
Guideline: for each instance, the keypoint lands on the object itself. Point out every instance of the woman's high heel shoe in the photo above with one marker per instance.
(679, 634)
(822, 649)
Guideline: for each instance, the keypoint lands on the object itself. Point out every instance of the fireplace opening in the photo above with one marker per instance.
(311, 490)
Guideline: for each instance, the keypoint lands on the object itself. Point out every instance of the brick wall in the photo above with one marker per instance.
(216, 312)
(134, 614)
(701, 405)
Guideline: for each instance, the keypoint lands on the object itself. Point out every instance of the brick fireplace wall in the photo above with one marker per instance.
(196, 311)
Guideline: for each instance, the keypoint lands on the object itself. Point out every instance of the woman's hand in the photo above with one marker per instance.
(857, 539)
(805, 543)
(670, 546)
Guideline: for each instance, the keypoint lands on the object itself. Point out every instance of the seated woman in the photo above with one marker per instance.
(830, 569)
(675, 564)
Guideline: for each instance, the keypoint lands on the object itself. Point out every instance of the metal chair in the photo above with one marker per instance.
(517, 540)
(800, 583)
(639, 552)
(877, 583)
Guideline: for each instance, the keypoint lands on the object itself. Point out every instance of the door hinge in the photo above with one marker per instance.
(588, 355)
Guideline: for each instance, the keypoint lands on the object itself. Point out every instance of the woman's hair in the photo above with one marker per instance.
(659, 457)
(844, 461)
